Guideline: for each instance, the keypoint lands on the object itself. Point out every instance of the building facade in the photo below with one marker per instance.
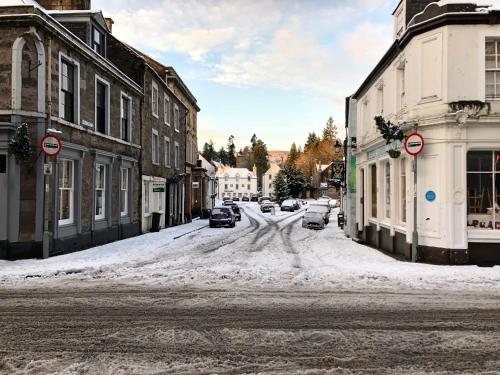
(123, 132)
(54, 81)
(428, 82)
(236, 182)
(268, 180)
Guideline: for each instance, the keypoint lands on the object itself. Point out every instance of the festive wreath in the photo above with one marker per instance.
(390, 132)
(20, 144)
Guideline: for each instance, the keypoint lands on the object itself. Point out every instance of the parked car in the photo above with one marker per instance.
(313, 220)
(262, 199)
(296, 203)
(322, 209)
(288, 205)
(334, 203)
(222, 216)
(245, 199)
(266, 206)
(321, 202)
(254, 198)
(236, 199)
(228, 202)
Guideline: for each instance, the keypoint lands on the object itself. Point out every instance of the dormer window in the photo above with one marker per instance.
(97, 41)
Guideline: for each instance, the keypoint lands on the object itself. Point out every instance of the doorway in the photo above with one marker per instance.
(3, 196)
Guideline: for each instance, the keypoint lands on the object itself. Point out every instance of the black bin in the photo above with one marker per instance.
(340, 219)
(205, 213)
(155, 222)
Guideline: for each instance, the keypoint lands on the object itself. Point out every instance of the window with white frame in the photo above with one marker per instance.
(176, 118)
(101, 105)
(155, 152)
(373, 172)
(126, 117)
(154, 99)
(177, 155)
(399, 23)
(492, 65)
(380, 99)
(483, 190)
(388, 190)
(146, 197)
(166, 110)
(100, 191)
(167, 152)
(69, 89)
(66, 192)
(124, 178)
(402, 191)
(401, 86)
(98, 41)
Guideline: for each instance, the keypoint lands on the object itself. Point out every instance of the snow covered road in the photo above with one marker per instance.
(262, 252)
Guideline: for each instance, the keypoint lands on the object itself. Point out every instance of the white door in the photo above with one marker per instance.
(3, 196)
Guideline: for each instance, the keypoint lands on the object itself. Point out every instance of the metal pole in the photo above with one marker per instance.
(414, 242)
(46, 233)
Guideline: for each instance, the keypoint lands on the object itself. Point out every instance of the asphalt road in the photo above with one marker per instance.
(122, 331)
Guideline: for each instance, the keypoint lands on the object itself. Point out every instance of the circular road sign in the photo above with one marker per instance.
(414, 144)
(50, 145)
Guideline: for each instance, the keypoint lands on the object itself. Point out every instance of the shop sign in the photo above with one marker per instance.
(414, 144)
(382, 151)
(158, 187)
(47, 169)
(50, 145)
(196, 184)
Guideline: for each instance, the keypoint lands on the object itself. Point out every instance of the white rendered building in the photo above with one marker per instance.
(236, 182)
(268, 180)
(439, 77)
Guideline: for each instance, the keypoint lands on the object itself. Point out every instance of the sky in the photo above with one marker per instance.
(276, 68)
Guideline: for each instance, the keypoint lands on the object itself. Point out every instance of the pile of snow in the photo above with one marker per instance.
(263, 251)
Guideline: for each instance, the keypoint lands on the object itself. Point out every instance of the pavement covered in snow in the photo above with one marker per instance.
(263, 252)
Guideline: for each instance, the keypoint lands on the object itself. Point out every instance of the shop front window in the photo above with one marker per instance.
(483, 190)
(374, 190)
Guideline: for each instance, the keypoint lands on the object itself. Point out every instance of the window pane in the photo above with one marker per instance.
(374, 190)
(99, 207)
(490, 48)
(490, 78)
(479, 161)
(480, 200)
(387, 190)
(101, 108)
(64, 209)
(491, 62)
(490, 91)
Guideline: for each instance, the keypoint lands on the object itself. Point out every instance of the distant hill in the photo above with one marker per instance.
(277, 157)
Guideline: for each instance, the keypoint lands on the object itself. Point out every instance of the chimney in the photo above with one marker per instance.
(65, 4)
(109, 23)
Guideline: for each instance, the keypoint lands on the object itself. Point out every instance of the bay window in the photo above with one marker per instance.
(483, 190)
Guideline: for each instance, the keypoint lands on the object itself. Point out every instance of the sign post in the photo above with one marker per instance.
(51, 146)
(414, 144)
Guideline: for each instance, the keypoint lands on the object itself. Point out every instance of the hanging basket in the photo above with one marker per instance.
(394, 153)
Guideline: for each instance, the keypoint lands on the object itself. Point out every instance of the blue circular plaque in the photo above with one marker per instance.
(430, 196)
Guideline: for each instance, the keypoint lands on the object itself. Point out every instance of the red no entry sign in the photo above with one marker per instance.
(50, 145)
(414, 144)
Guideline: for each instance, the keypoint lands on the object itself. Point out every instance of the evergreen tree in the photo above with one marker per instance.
(330, 131)
(231, 148)
(253, 140)
(222, 155)
(209, 152)
(296, 181)
(260, 156)
(312, 142)
(281, 187)
(293, 155)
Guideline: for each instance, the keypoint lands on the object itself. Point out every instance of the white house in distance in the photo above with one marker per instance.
(441, 76)
(236, 182)
(268, 180)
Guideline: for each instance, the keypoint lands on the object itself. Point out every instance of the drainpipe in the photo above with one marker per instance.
(48, 125)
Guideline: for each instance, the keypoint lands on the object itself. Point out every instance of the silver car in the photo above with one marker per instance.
(313, 220)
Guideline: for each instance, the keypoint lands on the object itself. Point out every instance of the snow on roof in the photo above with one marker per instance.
(233, 172)
(11, 3)
(273, 168)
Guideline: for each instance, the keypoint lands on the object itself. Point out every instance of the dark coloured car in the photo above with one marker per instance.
(222, 217)
(266, 206)
(236, 199)
(254, 198)
(245, 199)
(288, 205)
(313, 220)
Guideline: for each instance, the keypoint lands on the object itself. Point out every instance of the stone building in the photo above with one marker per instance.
(123, 132)
(52, 79)
(236, 182)
(438, 78)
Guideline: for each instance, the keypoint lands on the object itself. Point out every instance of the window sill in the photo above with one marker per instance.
(155, 163)
(177, 131)
(155, 115)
